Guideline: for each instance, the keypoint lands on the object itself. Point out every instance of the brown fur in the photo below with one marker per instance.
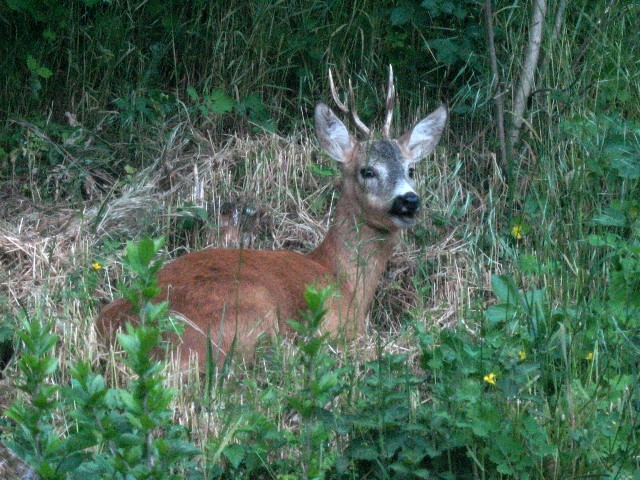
(248, 293)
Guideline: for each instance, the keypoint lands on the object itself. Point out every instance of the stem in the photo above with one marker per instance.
(495, 87)
(557, 26)
(528, 70)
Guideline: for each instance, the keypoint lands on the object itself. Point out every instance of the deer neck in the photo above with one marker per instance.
(358, 254)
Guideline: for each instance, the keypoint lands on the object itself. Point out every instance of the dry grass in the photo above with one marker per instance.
(263, 192)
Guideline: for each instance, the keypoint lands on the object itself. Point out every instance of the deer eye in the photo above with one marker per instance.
(412, 172)
(367, 172)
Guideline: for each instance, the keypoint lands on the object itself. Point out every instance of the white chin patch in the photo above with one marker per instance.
(402, 221)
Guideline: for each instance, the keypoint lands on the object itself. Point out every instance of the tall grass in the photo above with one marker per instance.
(545, 299)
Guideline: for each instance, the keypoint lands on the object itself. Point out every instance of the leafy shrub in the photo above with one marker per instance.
(105, 432)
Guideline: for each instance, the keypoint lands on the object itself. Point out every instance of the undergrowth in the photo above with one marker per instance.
(503, 343)
(108, 432)
(535, 392)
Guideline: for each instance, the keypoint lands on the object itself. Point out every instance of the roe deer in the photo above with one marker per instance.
(244, 293)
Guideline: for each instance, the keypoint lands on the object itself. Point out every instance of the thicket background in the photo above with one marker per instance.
(508, 320)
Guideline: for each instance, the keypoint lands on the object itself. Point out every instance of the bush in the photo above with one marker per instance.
(87, 430)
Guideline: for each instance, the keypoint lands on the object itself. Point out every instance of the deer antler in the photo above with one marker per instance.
(391, 98)
(342, 106)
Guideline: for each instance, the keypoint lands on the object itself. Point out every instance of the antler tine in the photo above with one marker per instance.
(354, 114)
(391, 98)
(334, 94)
(343, 107)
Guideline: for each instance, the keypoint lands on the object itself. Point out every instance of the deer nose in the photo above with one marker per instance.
(406, 204)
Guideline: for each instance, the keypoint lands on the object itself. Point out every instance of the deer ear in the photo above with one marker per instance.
(425, 135)
(332, 134)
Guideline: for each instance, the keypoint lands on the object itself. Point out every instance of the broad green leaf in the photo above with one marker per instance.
(80, 440)
(193, 94)
(500, 313)
(447, 50)
(146, 251)
(628, 166)
(506, 290)
(183, 448)
(44, 72)
(155, 311)
(50, 365)
(430, 4)
(328, 381)
(235, 454)
(610, 217)
(32, 63)
(219, 102)
(401, 15)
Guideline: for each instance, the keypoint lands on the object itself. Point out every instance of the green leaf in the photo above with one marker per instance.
(235, 454)
(32, 63)
(44, 72)
(500, 313)
(365, 452)
(627, 166)
(447, 7)
(422, 473)
(610, 217)
(321, 170)
(624, 156)
(506, 290)
(183, 448)
(327, 381)
(296, 326)
(130, 440)
(528, 264)
(401, 15)
(129, 343)
(81, 440)
(447, 50)
(155, 311)
(193, 94)
(430, 4)
(49, 35)
(219, 102)
(49, 365)
(145, 251)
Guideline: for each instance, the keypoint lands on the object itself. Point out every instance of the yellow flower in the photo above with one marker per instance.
(96, 265)
(491, 378)
(516, 232)
(522, 355)
(589, 356)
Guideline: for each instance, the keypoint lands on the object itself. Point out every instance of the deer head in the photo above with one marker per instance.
(378, 174)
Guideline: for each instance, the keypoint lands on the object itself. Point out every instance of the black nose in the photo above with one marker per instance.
(406, 204)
